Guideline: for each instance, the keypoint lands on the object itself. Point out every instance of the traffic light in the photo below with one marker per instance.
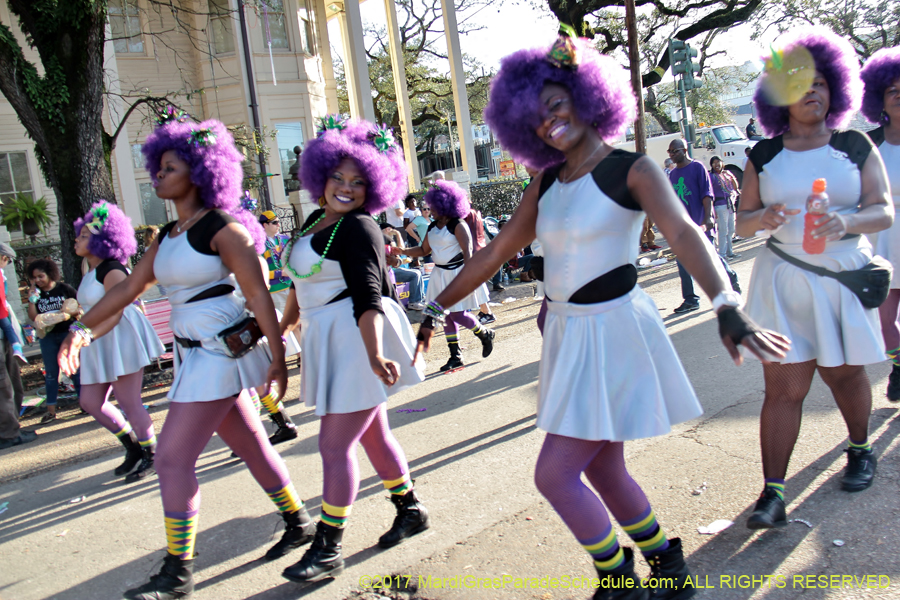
(680, 56)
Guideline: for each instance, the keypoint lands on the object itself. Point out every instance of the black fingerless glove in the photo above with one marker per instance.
(427, 323)
(735, 324)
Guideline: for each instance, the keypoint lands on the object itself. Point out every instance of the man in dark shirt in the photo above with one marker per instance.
(752, 132)
(692, 185)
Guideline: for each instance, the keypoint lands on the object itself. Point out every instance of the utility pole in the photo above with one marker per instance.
(640, 135)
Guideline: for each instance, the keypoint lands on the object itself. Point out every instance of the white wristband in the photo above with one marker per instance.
(727, 298)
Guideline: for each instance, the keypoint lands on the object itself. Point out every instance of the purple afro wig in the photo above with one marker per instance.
(384, 170)
(215, 163)
(447, 199)
(114, 237)
(836, 60)
(878, 74)
(600, 88)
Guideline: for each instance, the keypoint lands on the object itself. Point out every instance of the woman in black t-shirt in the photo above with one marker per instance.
(47, 295)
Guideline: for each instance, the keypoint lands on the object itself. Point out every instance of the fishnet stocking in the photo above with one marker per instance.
(852, 393)
(888, 313)
(94, 399)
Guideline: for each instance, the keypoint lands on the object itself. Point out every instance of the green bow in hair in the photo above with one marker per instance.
(564, 53)
(384, 138)
(100, 214)
(202, 138)
(331, 122)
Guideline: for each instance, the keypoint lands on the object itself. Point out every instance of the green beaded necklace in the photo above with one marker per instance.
(318, 266)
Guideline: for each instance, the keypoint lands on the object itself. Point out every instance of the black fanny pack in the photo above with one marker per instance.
(871, 284)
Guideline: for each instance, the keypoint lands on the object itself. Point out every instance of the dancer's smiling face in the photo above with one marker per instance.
(560, 126)
(345, 189)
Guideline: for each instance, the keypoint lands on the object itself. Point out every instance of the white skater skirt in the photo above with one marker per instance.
(335, 376)
(128, 348)
(207, 373)
(610, 372)
(824, 320)
(441, 278)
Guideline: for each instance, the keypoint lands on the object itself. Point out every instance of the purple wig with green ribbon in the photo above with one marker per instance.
(114, 237)
(215, 164)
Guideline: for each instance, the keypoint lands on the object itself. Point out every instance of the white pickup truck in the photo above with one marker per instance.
(725, 141)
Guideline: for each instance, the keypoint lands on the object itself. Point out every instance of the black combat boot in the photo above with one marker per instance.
(487, 341)
(286, 430)
(133, 454)
(893, 389)
(614, 584)
(860, 472)
(670, 573)
(412, 518)
(769, 511)
(298, 530)
(174, 581)
(322, 559)
(455, 361)
(145, 469)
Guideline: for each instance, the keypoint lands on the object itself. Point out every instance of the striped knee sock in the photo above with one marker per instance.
(777, 485)
(894, 355)
(336, 516)
(286, 498)
(478, 328)
(605, 550)
(149, 442)
(646, 533)
(272, 405)
(863, 445)
(399, 486)
(126, 430)
(254, 398)
(181, 533)
(452, 339)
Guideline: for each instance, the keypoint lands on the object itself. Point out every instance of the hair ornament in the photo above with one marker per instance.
(248, 202)
(170, 113)
(327, 122)
(788, 74)
(99, 214)
(563, 53)
(384, 139)
(202, 138)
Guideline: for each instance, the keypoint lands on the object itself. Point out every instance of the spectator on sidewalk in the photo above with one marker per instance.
(10, 405)
(694, 188)
(393, 239)
(725, 198)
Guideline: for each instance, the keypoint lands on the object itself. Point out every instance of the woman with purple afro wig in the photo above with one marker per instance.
(881, 105)
(350, 318)
(609, 372)
(124, 344)
(449, 242)
(816, 312)
(220, 351)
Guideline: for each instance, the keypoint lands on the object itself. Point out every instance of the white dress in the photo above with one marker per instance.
(335, 376)
(129, 347)
(608, 370)
(206, 373)
(444, 249)
(824, 320)
(887, 243)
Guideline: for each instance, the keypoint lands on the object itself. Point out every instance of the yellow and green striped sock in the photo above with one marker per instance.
(863, 445)
(646, 533)
(605, 550)
(272, 405)
(399, 486)
(126, 429)
(286, 498)
(777, 485)
(149, 442)
(181, 533)
(336, 516)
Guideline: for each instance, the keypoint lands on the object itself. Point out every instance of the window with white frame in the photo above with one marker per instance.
(307, 33)
(14, 177)
(153, 206)
(277, 24)
(125, 22)
(221, 26)
(137, 157)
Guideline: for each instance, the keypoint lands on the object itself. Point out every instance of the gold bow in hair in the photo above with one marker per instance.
(564, 53)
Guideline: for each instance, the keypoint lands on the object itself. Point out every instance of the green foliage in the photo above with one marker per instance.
(496, 198)
(23, 208)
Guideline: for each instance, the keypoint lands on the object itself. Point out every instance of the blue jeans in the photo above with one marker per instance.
(8, 331)
(687, 284)
(416, 285)
(50, 346)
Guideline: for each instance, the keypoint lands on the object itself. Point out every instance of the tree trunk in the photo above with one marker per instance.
(654, 110)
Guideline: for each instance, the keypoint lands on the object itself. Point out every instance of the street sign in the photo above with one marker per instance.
(496, 153)
(508, 168)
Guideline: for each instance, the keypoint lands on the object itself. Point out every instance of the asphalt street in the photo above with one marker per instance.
(71, 531)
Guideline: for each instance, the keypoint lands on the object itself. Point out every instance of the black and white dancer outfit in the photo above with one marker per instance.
(337, 381)
(116, 362)
(608, 368)
(824, 319)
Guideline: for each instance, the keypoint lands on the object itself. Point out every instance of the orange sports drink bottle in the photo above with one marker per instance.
(816, 206)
